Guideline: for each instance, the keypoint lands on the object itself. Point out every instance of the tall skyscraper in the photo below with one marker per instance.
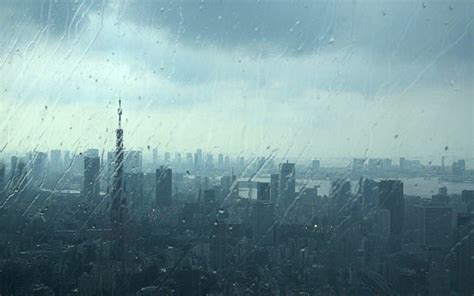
(91, 185)
(119, 210)
(163, 187)
(287, 184)
(391, 198)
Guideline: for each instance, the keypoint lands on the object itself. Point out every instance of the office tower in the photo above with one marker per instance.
(467, 197)
(198, 160)
(357, 166)
(209, 161)
(315, 165)
(133, 161)
(263, 217)
(167, 158)
(404, 164)
(67, 159)
(38, 169)
(91, 185)
(163, 187)
(189, 160)
(263, 191)
(220, 161)
(217, 245)
(287, 184)
(369, 193)
(20, 178)
(55, 160)
(91, 153)
(465, 264)
(177, 158)
(391, 198)
(119, 209)
(227, 161)
(434, 226)
(274, 184)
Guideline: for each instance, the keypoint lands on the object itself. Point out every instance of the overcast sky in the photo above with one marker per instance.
(309, 78)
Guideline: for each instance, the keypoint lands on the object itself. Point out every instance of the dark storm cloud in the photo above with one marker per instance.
(59, 15)
(411, 28)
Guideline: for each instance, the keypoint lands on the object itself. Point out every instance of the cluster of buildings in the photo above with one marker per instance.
(94, 224)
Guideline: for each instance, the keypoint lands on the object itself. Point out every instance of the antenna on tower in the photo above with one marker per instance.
(120, 113)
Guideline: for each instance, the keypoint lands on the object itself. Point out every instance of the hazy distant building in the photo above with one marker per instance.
(164, 188)
(91, 153)
(55, 161)
(358, 166)
(198, 160)
(91, 185)
(220, 161)
(287, 184)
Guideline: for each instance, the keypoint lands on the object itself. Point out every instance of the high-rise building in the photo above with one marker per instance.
(263, 217)
(164, 187)
(67, 159)
(198, 160)
(315, 165)
(434, 227)
(263, 191)
(55, 160)
(220, 161)
(177, 158)
(357, 166)
(189, 160)
(391, 198)
(287, 184)
(91, 185)
(91, 153)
